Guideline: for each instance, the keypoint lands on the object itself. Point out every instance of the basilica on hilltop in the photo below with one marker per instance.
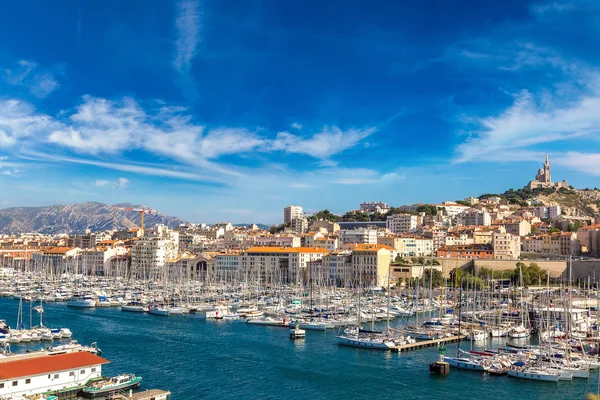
(543, 179)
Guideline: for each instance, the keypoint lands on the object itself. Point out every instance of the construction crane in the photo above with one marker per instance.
(142, 211)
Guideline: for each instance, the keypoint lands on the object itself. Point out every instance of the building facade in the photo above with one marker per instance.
(402, 223)
(292, 212)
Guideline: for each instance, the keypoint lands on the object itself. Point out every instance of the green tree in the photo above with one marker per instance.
(434, 276)
(399, 260)
(427, 209)
(532, 274)
(324, 215)
(275, 229)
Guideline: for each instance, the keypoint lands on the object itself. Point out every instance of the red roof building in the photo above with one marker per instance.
(27, 375)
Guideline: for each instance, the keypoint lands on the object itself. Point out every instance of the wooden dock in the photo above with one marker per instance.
(428, 343)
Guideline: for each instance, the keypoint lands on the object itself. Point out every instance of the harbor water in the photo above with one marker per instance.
(228, 359)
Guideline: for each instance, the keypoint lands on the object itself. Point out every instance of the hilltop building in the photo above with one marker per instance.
(543, 179)
(371, 207)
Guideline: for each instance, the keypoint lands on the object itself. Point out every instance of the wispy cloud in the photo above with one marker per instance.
(11, 172)
(527, 123)
(564, 109)
(123, 165)
(20, 121)
(187, 24)
(552, 7)
(120, 183)
(588, 163)
(100, 127)
(322, 145)
(30, 75)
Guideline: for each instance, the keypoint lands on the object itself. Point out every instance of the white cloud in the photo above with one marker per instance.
(552, 7)
(123, 182)
(330, 141)
(102, 183)
(104, 132)
(19, 121)
(153, 170)
(120, 183)
(588, 163)
(301, 185)
(228, 141)
(296, 125)
(527, 123)
(28, 74)
(43, 85)
(187, 24)
(101, 126)
(11, 172)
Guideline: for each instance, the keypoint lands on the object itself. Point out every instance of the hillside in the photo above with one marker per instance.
(573, 202)
(76, 218)
(579, 203)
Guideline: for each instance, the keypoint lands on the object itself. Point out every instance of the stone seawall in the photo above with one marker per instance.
(582, 269)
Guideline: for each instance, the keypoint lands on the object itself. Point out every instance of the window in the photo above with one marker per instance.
(82, 371)
(94, 369)
(72, 373)
(1, 385)
(15, 383)
(56, 376)
(27, 381)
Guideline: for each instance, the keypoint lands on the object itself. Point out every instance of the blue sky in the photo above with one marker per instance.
(229, 110)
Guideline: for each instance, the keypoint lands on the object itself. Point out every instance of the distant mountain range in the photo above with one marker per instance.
(261, 226)
(76, 218)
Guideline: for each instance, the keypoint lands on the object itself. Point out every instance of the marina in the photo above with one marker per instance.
(160, 344)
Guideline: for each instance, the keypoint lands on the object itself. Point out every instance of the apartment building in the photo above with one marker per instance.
(408, 246)
(149, 256)
(402, 223)
(278, 264)
(474, 217)
(475, 251)
(371, 264)
(338, 266)
(532, 244)
(506, 246)
(357, 236)
(292, 212)
(227, 266)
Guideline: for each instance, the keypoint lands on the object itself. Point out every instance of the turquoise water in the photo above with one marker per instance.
(199, 359)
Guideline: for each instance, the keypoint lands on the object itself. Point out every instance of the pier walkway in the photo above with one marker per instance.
(428, 343)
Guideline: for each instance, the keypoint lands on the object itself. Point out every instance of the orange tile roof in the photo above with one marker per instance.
(58, 250)
(108, 242)
(45, 364)
(371, 247)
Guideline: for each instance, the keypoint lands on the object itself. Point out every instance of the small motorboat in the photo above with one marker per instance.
(118, 383)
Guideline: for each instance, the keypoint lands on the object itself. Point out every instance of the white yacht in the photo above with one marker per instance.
(158, 310)
(518, 332)
(134, 306)
(532, 373)
(468, 363)
(82, 301)
(65, 333)
(476, 335)
(367, 342)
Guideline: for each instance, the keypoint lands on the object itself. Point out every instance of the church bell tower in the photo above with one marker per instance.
(547, 177)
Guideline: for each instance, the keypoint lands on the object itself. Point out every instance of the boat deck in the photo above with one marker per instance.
(427, 343)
